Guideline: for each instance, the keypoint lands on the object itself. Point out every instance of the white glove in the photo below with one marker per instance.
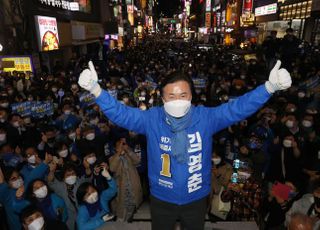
(279, 79)
(89, 80)
(107, 217)
(106, 174)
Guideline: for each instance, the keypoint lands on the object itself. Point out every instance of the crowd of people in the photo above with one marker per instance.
(75, 169)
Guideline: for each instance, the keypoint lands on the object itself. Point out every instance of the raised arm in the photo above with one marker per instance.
(244, 106)
(124, 116)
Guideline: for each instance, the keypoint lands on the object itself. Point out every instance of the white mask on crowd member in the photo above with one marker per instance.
(177, 108)
(63, 153)
(287, 143)
(91, 160)
(17, 183)
(4, 105)
(306, 123)
(67, 112)
(94, 121)
(41, 192)
(90, 136)
(72, 136)
(32, 159)
(37, 224)
(244, 175)
(289, 124)
(92, 198)
(3, 136)
(216, 160)
(71, 180)
(16, 124)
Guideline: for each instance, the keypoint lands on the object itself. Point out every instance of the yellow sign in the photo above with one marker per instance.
(19, 64)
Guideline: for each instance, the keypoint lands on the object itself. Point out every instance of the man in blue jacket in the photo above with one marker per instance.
(179, 140)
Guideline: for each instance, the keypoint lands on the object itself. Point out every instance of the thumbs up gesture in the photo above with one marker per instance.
(88, 80)
(279, 79)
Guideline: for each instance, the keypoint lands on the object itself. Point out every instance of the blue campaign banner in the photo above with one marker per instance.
(22, 108)
(86, 99)
(41, 108)
(199, 83)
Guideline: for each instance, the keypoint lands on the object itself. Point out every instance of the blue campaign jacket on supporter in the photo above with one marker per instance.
(9, 201)
(169, 180)
(84, 221)
(28, 169)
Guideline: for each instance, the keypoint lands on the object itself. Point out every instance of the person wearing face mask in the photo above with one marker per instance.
(285, 161)
(66, 189)
(309, 204)
(33, 219)
(12, 192)
(93, 209)
(123, 164)
(221, 174)
(10, 156)
(14, 129)
(67, 119)
(179, 140)
(33, 161)
(48, 139)
(92, 141)
(52, 206)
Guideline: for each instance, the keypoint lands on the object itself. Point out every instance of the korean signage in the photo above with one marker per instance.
(47, 31)
(36, 109)
(247, 6)
(208, 5)
(16, 63)
(266, 10)
(75, 5)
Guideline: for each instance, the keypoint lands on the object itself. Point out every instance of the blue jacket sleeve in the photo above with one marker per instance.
(84, 222)
(229, 113)
(4, 192)
(38, 173)
(124, 116)
(107, 195)
(19, 204)
(59, 205)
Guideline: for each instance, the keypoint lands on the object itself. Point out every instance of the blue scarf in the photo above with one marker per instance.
(93, 208)
(179, 141)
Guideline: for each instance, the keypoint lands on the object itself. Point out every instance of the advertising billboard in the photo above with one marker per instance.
(16, 63)
(47, 33)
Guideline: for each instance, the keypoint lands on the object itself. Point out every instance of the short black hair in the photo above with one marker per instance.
(82, 190)
(175, 77)
(70, 167)
(28, 211)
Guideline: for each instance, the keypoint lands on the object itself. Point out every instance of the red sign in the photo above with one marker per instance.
(247, 6)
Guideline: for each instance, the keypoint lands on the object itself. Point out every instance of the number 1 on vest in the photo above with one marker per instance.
(165, 165)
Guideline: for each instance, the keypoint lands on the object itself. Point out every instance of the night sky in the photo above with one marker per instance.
(168, 7)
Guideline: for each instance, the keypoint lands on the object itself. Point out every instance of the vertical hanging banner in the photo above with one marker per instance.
(208, 5)
(247, 7)
(208, 20)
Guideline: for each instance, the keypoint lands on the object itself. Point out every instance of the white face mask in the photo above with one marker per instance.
(16, 124)
(143, 108)
(306, 123)
(90, 136)
(289, 124)
(91, 160)
(92, 198)
(41, 192)
(301, 95)
(32, 159)
(70, 180)
(177, 108)
(37, 224)
(72, 136)
(94, 121)
(4, 105)
(244, 175)
(17, 183)
(63, 153)
(216, 160)
(287, 143)
(3, 137)
(67, 112)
